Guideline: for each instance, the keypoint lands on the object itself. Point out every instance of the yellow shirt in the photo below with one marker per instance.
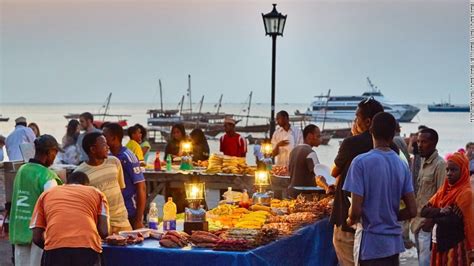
(136, 149)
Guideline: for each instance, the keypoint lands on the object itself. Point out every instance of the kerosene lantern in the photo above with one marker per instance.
(266, 148)
(186, 159)
(195, 215)
(262, 182)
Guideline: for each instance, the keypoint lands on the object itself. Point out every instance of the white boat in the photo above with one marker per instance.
(343, 108)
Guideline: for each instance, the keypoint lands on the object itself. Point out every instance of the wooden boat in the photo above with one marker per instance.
(4, 119)
(101, 117)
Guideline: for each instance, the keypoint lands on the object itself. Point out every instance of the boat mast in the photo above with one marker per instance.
(189, 94)
(161, 96)
(371, 85)
(107, 102)
(248, 108)
(219, 104)
(181, 105)
(200, 105)
(326, 108)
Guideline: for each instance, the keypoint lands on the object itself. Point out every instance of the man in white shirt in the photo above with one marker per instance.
(86, 121)
(285, 139)
(21, 134)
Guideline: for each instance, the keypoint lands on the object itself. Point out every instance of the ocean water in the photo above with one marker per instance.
(454, 129)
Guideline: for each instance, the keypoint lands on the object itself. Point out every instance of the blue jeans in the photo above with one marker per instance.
(423, 244)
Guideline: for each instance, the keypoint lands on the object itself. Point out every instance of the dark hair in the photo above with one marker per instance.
(87, 116)
(369, 107)
(77, 178)
(180, 127)
(433, 134)
(90, 139)
(143, 130)
(284, 114)
(197, 136)
(383, 126)
(115, 129)
(20, 124)
(131, 130)
(309, 129)
(469, 144)
(420, 127)
(72, 128)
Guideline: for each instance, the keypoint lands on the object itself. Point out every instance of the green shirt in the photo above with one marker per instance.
(30, 181)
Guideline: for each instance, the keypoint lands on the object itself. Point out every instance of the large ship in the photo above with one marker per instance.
(343, 108)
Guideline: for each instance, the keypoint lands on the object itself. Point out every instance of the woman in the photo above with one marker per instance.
(70, 155)
(144, 144)
(178, 134)
(451, 210)
(35, 129)
(135, 135)
(200, 145)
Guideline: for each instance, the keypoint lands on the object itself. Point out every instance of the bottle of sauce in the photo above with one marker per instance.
(153, 216)
(169, 215)
(157, 163)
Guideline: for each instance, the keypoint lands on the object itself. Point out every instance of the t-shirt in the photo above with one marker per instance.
(303, 160)
(30, 181)
(20, 135)
(132, 174)
(382, 179)
(69, 215)
(294, 137)
(108, 178)
(233, 145)
(133, 146)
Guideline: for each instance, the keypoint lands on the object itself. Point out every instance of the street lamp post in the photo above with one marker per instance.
(274, 23)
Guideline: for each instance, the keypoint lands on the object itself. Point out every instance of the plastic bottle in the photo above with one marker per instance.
(229, 199)
(168, 163)
(153, 216)
(157, 162)
(244, 202)
(169, 215)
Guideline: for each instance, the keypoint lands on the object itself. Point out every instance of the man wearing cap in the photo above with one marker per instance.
(231, 143)
(285, 139)
(31, 180)
(21, 134)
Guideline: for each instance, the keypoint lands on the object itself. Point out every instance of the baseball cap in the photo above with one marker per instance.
(47, 142)
(20, 119)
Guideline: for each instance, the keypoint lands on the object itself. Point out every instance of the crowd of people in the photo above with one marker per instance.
(385, 187)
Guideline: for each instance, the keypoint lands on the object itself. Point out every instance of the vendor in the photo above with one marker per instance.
(200, 145)
(284, 139)
(231, 143)
(303, 161)
(178, 134)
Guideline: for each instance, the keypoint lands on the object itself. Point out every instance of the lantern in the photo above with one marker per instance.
(195, 215)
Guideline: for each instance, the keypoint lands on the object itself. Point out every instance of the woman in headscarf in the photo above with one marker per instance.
(452, 212)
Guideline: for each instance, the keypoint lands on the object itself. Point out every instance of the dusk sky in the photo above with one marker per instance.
(78, 51)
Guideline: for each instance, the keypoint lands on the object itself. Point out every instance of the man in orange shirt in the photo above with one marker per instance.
(75, 217)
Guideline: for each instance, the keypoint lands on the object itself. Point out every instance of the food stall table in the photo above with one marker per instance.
(310, 245)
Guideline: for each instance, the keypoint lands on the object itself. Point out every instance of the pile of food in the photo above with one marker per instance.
(229, 165)
(174, 239)
(280, 170)
(204, 239)
(320, 208)
(118, 240)
(199, 163)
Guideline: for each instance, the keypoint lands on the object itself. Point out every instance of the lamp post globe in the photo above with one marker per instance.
(274, 23)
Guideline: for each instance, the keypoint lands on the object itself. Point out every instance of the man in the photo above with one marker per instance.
(105, 173)
(134, 193)
(343, 237)
(284, 139)
(470, 156)
(86, 121)
(416, 160)
(303, 160)
(231, 143)
(377, 180)
(21, 134)
(430, 178)
(401, 144)
(30, 181)
(69, 221)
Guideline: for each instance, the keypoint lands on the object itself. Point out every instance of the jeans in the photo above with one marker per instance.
(423, 244)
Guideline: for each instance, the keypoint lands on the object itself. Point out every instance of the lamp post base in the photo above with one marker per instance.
(189, 227)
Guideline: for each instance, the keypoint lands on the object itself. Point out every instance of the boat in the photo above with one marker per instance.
(4, 119)
(163, 117)
(343, 108)
(101, 117)
(448, 107)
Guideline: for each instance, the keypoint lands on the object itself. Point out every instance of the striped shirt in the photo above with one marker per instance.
(108, 178)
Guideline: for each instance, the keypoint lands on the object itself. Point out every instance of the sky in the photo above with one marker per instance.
(78, 51)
